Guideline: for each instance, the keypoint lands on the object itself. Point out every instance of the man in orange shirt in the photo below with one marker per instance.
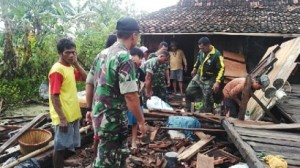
(177, 64)
(233, 92)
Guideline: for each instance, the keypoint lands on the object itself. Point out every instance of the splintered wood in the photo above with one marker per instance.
(190, 152)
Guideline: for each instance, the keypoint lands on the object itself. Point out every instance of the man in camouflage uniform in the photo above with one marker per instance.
(116, 88)
(151, 67)
(161, 76)
(208, 73)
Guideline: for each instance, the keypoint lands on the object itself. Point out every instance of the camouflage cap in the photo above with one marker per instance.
(127, 24)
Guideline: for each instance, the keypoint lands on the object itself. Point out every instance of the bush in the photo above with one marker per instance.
(19, 90)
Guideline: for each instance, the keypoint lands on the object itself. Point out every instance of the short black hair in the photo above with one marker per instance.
(164, 52)
(204, 40)
(163, 44)
(122, 34)
(64, 43)
(111, 39)
(137, 51)
(173, 43)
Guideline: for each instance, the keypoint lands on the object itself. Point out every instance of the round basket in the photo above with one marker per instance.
(34, 139)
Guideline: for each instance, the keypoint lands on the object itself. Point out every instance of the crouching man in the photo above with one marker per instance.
(233, 92)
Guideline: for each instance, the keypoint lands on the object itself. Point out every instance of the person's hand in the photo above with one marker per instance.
(143, 128)
(75, 61)
(88, 117)
(185, 68)
(168, 83)
(216, 87)
(63, 126)
(193, 73)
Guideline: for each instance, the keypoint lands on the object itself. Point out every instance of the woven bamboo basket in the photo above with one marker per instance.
(34, 139)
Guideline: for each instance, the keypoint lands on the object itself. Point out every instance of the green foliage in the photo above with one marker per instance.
(36, 26)
(19, 90)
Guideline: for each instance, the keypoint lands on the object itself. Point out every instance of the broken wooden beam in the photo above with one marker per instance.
(246, 151)
(264, 107)
(191, 151)
(204, 161)
(195, 129)
(22, 130)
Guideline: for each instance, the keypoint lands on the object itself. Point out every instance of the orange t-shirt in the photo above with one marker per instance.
(234, 87)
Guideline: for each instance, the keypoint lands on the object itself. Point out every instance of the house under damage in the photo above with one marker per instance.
(255, 37)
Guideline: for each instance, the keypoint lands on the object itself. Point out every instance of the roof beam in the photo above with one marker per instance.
(230, 34)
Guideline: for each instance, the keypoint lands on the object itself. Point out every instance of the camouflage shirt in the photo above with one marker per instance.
(151, 65)
(159, 78)
(116, 77)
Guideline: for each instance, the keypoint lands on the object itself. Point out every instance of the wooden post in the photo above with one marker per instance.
(264, 108)
(246, 151)
(245, 97)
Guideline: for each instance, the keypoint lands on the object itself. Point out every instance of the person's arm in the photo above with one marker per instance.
(184, 61)
(196, 65)
(81, 71)
(235, 91)
(220, 68)
(128, 88)
(57, 107)
(56, 80)
(148, 88)
(167, 74)
(89, 88)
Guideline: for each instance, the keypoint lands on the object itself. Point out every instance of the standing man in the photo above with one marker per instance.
(64, 106)
(162, 76)
(177, 65)
(91, 84)
(116, 88)
(208, 73)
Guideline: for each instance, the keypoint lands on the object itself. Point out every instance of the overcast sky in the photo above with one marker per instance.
(153, 5)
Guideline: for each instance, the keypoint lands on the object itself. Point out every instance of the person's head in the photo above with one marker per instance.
(162, 56)
(260, 82)
(163, 46)
(145, 51)
(204, 44)
(66, 49)
(137, 54)
(128, 31)
(173, 46)
(111, 39)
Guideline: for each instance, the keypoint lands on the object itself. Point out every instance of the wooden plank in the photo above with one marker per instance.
(270, 127)
(201, 135)
(271, 147)
(191, 151)
(271, 141)
(234, 56)
(29, 125)
(204, 161)
(153, 134)
(195, 129)
(286, 55)
(269, 134)
(245, 150)
(234, 69)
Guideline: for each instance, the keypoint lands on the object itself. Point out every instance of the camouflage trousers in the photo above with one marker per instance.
(160, 91)
(200, 89)
(112, 148)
